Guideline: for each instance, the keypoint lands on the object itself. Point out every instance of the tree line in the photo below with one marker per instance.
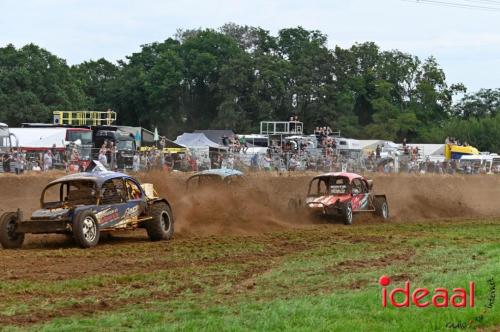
(236, 76)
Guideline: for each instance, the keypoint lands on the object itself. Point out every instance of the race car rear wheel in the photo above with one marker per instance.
(381, 207)
(161, 227)
(86, 229)
(8, 236)
(347, 214)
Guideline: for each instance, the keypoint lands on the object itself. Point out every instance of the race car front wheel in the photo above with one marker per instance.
(347, 214)
(8, 236)
(161, 227)
(86, 230)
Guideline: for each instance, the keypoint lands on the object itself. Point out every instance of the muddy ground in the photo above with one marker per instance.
(261, 204)
(236, 232)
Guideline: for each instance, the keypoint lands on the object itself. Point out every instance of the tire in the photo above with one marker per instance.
(8, 238)
(347, 214)
(86, 229)
(161, 227)
(381, 207)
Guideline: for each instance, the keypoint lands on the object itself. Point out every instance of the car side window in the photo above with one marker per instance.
(358, 186)
(113, 192)
(134, 192)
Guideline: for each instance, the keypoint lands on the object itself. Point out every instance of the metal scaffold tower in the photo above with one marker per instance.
(84, 118)
(281, 128)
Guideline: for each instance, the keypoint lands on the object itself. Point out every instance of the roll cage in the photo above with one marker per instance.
(199, 180)
(90, 192)
(338, 185)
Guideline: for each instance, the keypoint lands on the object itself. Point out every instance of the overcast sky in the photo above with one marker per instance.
(466, 42)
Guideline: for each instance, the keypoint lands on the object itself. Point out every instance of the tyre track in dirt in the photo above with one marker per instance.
(252, 264)
(253, 214)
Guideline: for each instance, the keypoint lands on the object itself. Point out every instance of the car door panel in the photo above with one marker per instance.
(360, 200)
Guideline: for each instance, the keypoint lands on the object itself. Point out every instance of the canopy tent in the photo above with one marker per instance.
(39, 138)
(216, 135)
(432, 149)
(172, 145)
(370, 144)
(197, 141)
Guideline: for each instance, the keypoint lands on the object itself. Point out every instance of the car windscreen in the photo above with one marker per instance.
(339, 185)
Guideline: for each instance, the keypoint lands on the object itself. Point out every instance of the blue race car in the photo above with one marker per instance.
(85, 205)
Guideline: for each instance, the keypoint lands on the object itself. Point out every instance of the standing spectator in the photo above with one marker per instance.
(19, 162)
(293, 163)
(102, 157)
(406, 149)
(75, 155)
(254, 162)
(106, 146)
(15, 159)
(414, 153)
(136, 162)
(7, 158)
(22, 161)
(47, 161)
(266, 163)
(53, 150)
(243, 144)
(378, 150)
(112, 155)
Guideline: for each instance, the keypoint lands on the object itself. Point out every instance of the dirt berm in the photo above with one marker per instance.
(261, 204)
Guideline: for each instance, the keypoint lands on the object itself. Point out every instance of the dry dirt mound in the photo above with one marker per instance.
(260, 205)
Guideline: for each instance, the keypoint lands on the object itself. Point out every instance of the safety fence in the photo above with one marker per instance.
(318, 160)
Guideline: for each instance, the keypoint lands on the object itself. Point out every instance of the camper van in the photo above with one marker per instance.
(5, 139)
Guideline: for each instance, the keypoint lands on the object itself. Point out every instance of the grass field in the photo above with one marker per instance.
(323, 277)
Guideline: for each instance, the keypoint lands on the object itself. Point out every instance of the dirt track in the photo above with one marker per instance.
(261, 204)
(211, 227)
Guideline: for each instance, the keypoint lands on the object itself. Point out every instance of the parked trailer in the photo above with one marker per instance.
(7, 142)
(37, 140)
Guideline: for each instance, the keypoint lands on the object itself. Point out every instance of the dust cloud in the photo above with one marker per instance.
(260, 203)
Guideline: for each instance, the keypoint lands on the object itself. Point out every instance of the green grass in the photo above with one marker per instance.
(321, 279)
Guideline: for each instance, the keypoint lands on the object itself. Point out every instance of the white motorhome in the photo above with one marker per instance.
(348, 147)
(6, 138)
(481, 163)
(495, 164)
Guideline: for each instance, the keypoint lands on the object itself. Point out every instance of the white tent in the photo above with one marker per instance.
(197, 141)
(39, 138)
(370, 144)
(432, 149)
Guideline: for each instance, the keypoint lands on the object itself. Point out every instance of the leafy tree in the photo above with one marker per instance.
(33, 83)
(236, 76)
(96, 78)
(484, 103)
